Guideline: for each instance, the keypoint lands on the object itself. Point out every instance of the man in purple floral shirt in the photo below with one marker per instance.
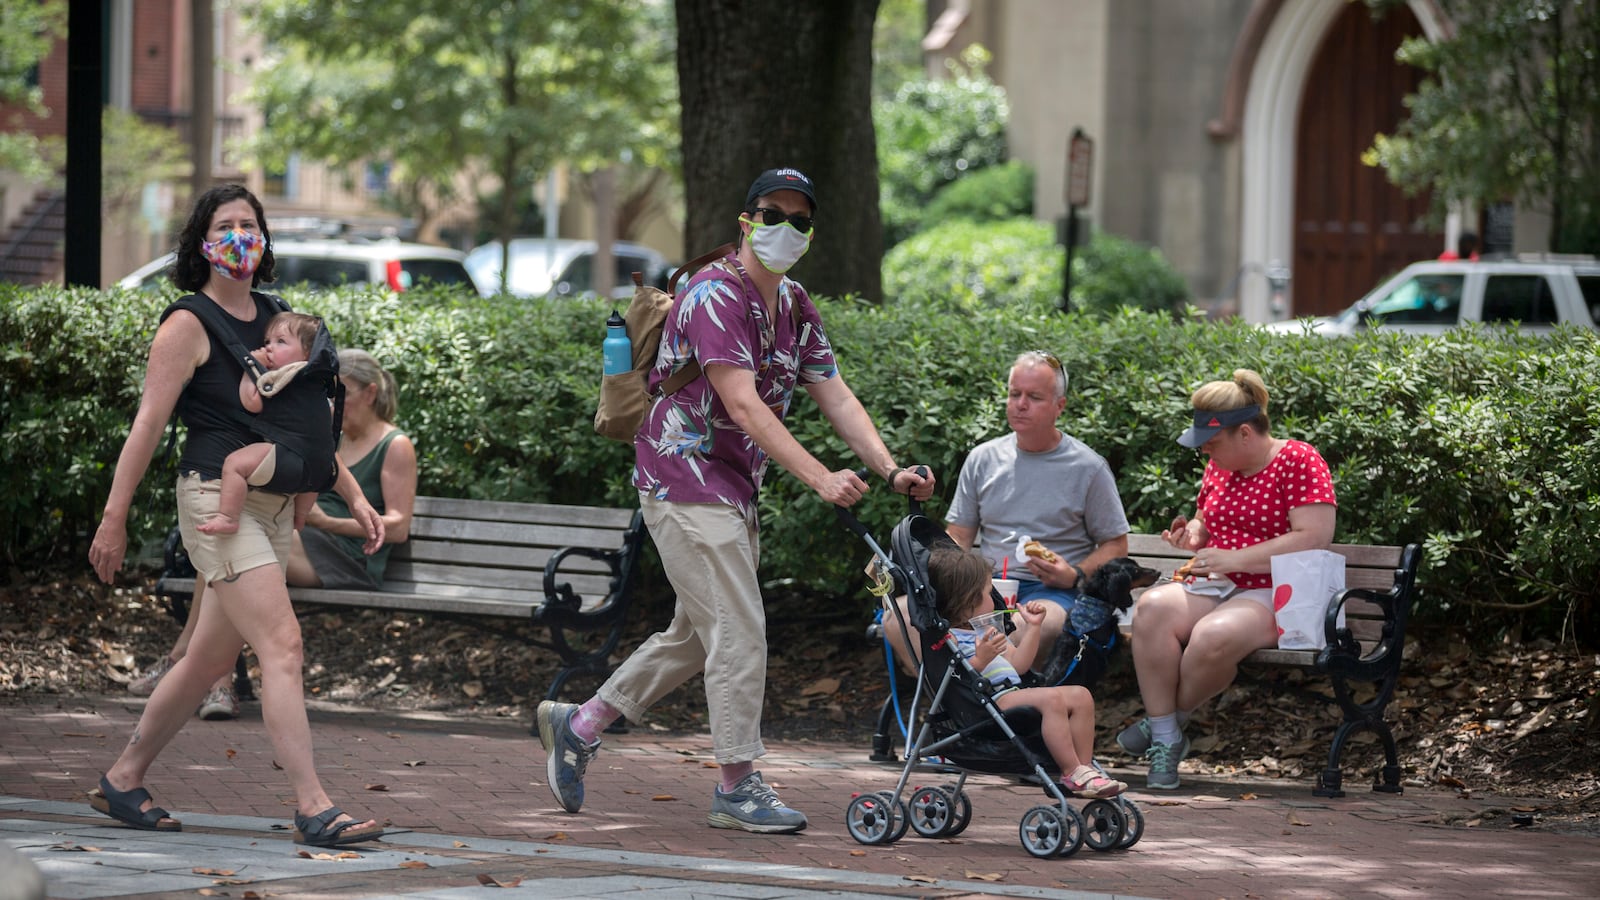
(700, 457)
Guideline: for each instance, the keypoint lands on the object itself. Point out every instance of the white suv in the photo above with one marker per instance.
(330, 263)
(1536, 291)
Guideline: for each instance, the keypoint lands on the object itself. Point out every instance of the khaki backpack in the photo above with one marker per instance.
(625, 398)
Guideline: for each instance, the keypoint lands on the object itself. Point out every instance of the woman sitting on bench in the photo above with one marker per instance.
(1260, 496)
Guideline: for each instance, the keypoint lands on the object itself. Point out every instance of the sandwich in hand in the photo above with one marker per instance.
(1184, 571)
(1038, 551)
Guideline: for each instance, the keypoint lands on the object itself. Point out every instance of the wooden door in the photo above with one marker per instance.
(1352, 227)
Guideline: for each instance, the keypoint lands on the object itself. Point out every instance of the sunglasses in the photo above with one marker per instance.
(769, 216)
(1045, 356)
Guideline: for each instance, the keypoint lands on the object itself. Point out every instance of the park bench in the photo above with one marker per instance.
(1379, 586)
(567, 568)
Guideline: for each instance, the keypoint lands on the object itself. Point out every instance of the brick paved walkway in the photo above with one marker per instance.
(469, 798)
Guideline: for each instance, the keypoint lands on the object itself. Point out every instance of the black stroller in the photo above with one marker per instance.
(961, 725)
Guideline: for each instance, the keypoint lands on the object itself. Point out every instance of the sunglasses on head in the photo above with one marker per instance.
(770, 216)
(1045, 356)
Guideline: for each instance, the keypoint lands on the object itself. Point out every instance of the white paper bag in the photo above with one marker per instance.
(1303, 584)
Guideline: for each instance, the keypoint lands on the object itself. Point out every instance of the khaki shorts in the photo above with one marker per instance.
(263, 538)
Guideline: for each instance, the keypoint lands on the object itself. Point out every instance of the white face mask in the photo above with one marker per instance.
(778, 247)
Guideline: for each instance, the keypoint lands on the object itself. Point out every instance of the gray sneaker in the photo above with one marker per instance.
(1135, 739)
(568, 756)
(1164, 759)
(221, 703)
(754, 806)
(145, 684)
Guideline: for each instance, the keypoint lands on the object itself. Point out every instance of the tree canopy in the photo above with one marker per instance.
(438, 88)
(1511, 110)
(27, 31)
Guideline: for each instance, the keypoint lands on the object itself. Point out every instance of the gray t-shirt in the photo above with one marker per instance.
(1064, 498)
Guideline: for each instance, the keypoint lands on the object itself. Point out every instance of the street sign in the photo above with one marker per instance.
(1080, 164)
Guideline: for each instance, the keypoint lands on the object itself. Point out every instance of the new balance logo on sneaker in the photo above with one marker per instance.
(752, 805)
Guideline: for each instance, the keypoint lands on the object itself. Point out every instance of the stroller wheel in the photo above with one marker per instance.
(932, 812)
(902, 814)
(1104, 829)
(872, 819)
(1133, 823)
(1046, 832)
(963, 812)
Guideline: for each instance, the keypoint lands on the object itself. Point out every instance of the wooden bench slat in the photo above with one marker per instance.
(519, 534)
(523, 513)
(493, 556)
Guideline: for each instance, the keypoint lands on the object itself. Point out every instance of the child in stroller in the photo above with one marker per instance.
(960, 579)
(960, 728)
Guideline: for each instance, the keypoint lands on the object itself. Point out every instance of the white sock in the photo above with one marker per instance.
(1165, 729)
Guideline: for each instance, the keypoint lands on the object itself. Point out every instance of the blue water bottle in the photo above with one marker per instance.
(617, 349)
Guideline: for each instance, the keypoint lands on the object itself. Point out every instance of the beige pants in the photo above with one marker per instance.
(719, 625)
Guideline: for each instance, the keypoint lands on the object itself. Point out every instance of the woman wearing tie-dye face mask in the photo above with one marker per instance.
(224, 250)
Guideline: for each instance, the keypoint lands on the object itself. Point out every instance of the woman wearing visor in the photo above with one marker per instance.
(1261, 496)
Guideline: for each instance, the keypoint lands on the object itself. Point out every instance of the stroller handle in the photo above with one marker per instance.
(848, 518)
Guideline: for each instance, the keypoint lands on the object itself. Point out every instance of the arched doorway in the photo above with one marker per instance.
(1352, 226)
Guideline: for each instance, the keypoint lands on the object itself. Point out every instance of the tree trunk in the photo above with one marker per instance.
(768, 83)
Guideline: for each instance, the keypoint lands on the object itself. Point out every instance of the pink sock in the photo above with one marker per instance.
(733, 773)
(592, 718)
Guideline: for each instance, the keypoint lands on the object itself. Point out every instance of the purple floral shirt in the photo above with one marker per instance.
(689, 450)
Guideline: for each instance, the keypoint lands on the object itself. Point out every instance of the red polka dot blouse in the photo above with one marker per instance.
(1244, 510)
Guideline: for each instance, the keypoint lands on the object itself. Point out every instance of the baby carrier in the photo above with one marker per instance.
(303, 412)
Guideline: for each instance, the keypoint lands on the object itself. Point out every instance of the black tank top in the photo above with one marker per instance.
(204, 407)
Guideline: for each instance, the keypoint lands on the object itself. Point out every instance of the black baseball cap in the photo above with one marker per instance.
(773, 180)
(1207, 422)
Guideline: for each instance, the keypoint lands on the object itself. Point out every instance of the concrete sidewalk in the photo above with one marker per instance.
(468, 807)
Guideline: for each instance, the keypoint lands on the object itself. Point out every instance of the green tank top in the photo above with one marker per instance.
(368, 472)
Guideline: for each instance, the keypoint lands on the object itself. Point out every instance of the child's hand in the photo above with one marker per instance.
(1032, 612)
(989, 645)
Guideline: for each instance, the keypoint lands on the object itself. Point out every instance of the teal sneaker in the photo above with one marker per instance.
(568, 756)
(1135, 739)
(754, 806)
(1164, 759)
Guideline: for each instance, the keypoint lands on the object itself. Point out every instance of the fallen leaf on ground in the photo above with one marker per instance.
(491, 881)
(820, 687)
(663, 797)
(230, 753)
(81, 848)
(415, 864)
(233, 881)
(198, 870)
(459, 844)
(858, 853)
(925, 879)
(413, 763)
(557, 836)
(1248, 796)
(1293, 819)
(990, 876)
(377, 787)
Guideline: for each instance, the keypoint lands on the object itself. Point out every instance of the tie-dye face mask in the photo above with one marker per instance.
(236, 254)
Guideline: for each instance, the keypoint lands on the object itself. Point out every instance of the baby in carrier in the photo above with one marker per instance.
(302, 464)
(961, 579)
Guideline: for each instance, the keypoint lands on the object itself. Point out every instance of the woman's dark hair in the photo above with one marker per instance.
(190, 270)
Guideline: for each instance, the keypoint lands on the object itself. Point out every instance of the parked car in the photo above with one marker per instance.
(329, 263)
(545, 268)
(1537, 292)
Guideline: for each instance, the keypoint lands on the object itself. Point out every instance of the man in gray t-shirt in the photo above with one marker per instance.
(1040, 483)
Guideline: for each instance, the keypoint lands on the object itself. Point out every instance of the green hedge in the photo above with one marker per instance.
(1482, 445)
(1016, 263)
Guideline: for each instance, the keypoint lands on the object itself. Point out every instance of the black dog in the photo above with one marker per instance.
(1107, 591)
(1083, 651)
